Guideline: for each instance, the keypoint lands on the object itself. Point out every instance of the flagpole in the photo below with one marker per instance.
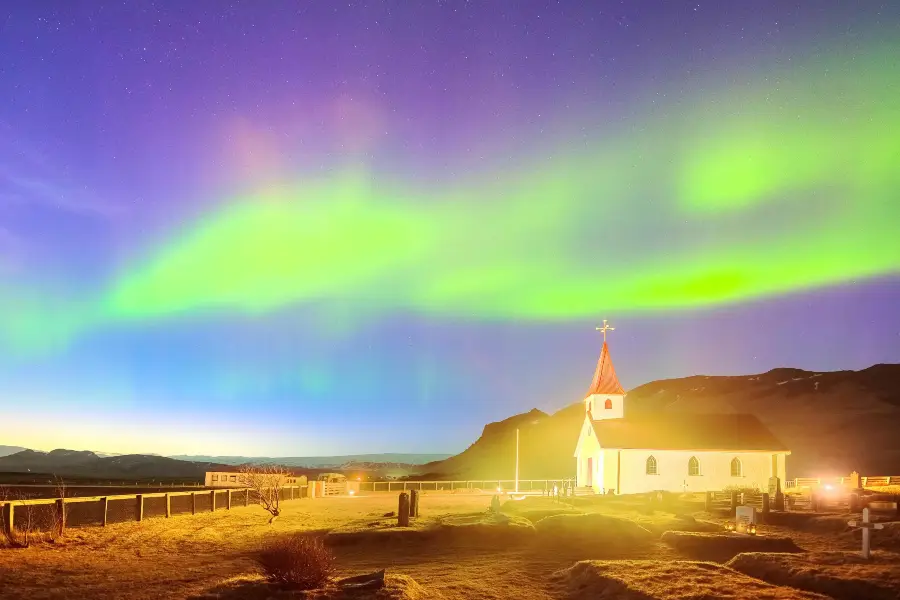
(517, 460)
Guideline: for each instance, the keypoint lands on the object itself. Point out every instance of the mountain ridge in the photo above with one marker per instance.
(833, 422)
(395, 458)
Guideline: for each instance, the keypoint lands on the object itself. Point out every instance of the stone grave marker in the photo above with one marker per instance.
(744, 517)
(866, 527)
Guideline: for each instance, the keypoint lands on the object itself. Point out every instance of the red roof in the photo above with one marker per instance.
(695, 431)
(605, 380)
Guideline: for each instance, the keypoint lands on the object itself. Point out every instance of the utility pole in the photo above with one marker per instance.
(517, 460)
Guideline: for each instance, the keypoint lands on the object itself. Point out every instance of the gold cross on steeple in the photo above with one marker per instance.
(604, 329)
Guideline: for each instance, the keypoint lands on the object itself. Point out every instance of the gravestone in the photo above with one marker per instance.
(744, 516)
(776, 496)
(866, 526)
(403, 510)
(414, 503)
(495, 504)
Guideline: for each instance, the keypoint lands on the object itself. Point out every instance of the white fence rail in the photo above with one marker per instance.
(505, 485)
(863, 481)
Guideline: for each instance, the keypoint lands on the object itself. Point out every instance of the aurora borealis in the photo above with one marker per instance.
(340, 224)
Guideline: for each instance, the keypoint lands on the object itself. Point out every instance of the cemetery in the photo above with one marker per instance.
(448, 545)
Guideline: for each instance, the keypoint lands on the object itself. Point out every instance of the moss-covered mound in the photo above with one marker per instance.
(666, 580)
(724, 546)
(840, 575)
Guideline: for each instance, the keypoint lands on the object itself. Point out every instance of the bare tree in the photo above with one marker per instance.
(21, 536)
(266, 481)
(59, 527)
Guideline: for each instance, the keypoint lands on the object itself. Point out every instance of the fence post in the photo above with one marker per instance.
(247, 497)
(765, 505)
(105, 502)
(168, 506)
(229, 500)
(61, 508)
(212, 501)
(140, 507)
(414, 503)
(292, 492)
(734, 500)
(403, 510)
(193, 503)
(709, 501)
(8, 516)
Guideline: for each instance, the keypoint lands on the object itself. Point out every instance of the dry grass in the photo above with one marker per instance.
(480, 528)
(666, 580)
(211, 555)
(594, 528)
(881, 539)
(255, 587)
(724, 546)
(885, 489)
(840, 575)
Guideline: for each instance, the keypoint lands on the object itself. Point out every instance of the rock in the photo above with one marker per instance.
(371, 581)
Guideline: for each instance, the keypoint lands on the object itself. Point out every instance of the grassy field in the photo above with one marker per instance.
(463, 557)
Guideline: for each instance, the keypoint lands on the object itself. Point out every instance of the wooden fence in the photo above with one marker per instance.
(815, 500)
(727, 501)
(42, 514)
(490, 485)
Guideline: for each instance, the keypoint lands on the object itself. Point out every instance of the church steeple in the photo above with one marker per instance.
(605, 380)
(605, 398)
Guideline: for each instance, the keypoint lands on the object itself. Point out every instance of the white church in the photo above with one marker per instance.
(676, 452)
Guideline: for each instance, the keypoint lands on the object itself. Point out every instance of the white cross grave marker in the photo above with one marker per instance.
(866, 527)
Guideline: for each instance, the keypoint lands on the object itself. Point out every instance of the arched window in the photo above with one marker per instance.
(693, 466)
(651, 466)
(735, 467)
(608, 404)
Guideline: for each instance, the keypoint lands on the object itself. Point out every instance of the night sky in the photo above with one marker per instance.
(313, 228)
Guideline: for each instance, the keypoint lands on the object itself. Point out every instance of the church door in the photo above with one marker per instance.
(590, 472)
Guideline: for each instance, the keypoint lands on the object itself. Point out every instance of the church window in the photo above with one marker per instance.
(651, 466)
(735, 467)
(608, 404)
(693, 466)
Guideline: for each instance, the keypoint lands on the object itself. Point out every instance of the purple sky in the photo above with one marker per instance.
(123, 125)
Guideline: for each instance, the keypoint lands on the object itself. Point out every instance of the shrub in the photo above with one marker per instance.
(300, 562)
(742, 489)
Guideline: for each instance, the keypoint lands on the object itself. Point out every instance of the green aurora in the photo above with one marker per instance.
(783, 183)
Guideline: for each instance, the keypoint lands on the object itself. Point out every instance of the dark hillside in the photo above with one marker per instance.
(833, 422)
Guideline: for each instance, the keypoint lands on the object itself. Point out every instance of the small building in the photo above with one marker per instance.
(332, 477)
(232, 479)
(671, 451)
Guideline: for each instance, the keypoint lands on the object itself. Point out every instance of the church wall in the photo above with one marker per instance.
(715, 471)
(589, 448)
(610, 470)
